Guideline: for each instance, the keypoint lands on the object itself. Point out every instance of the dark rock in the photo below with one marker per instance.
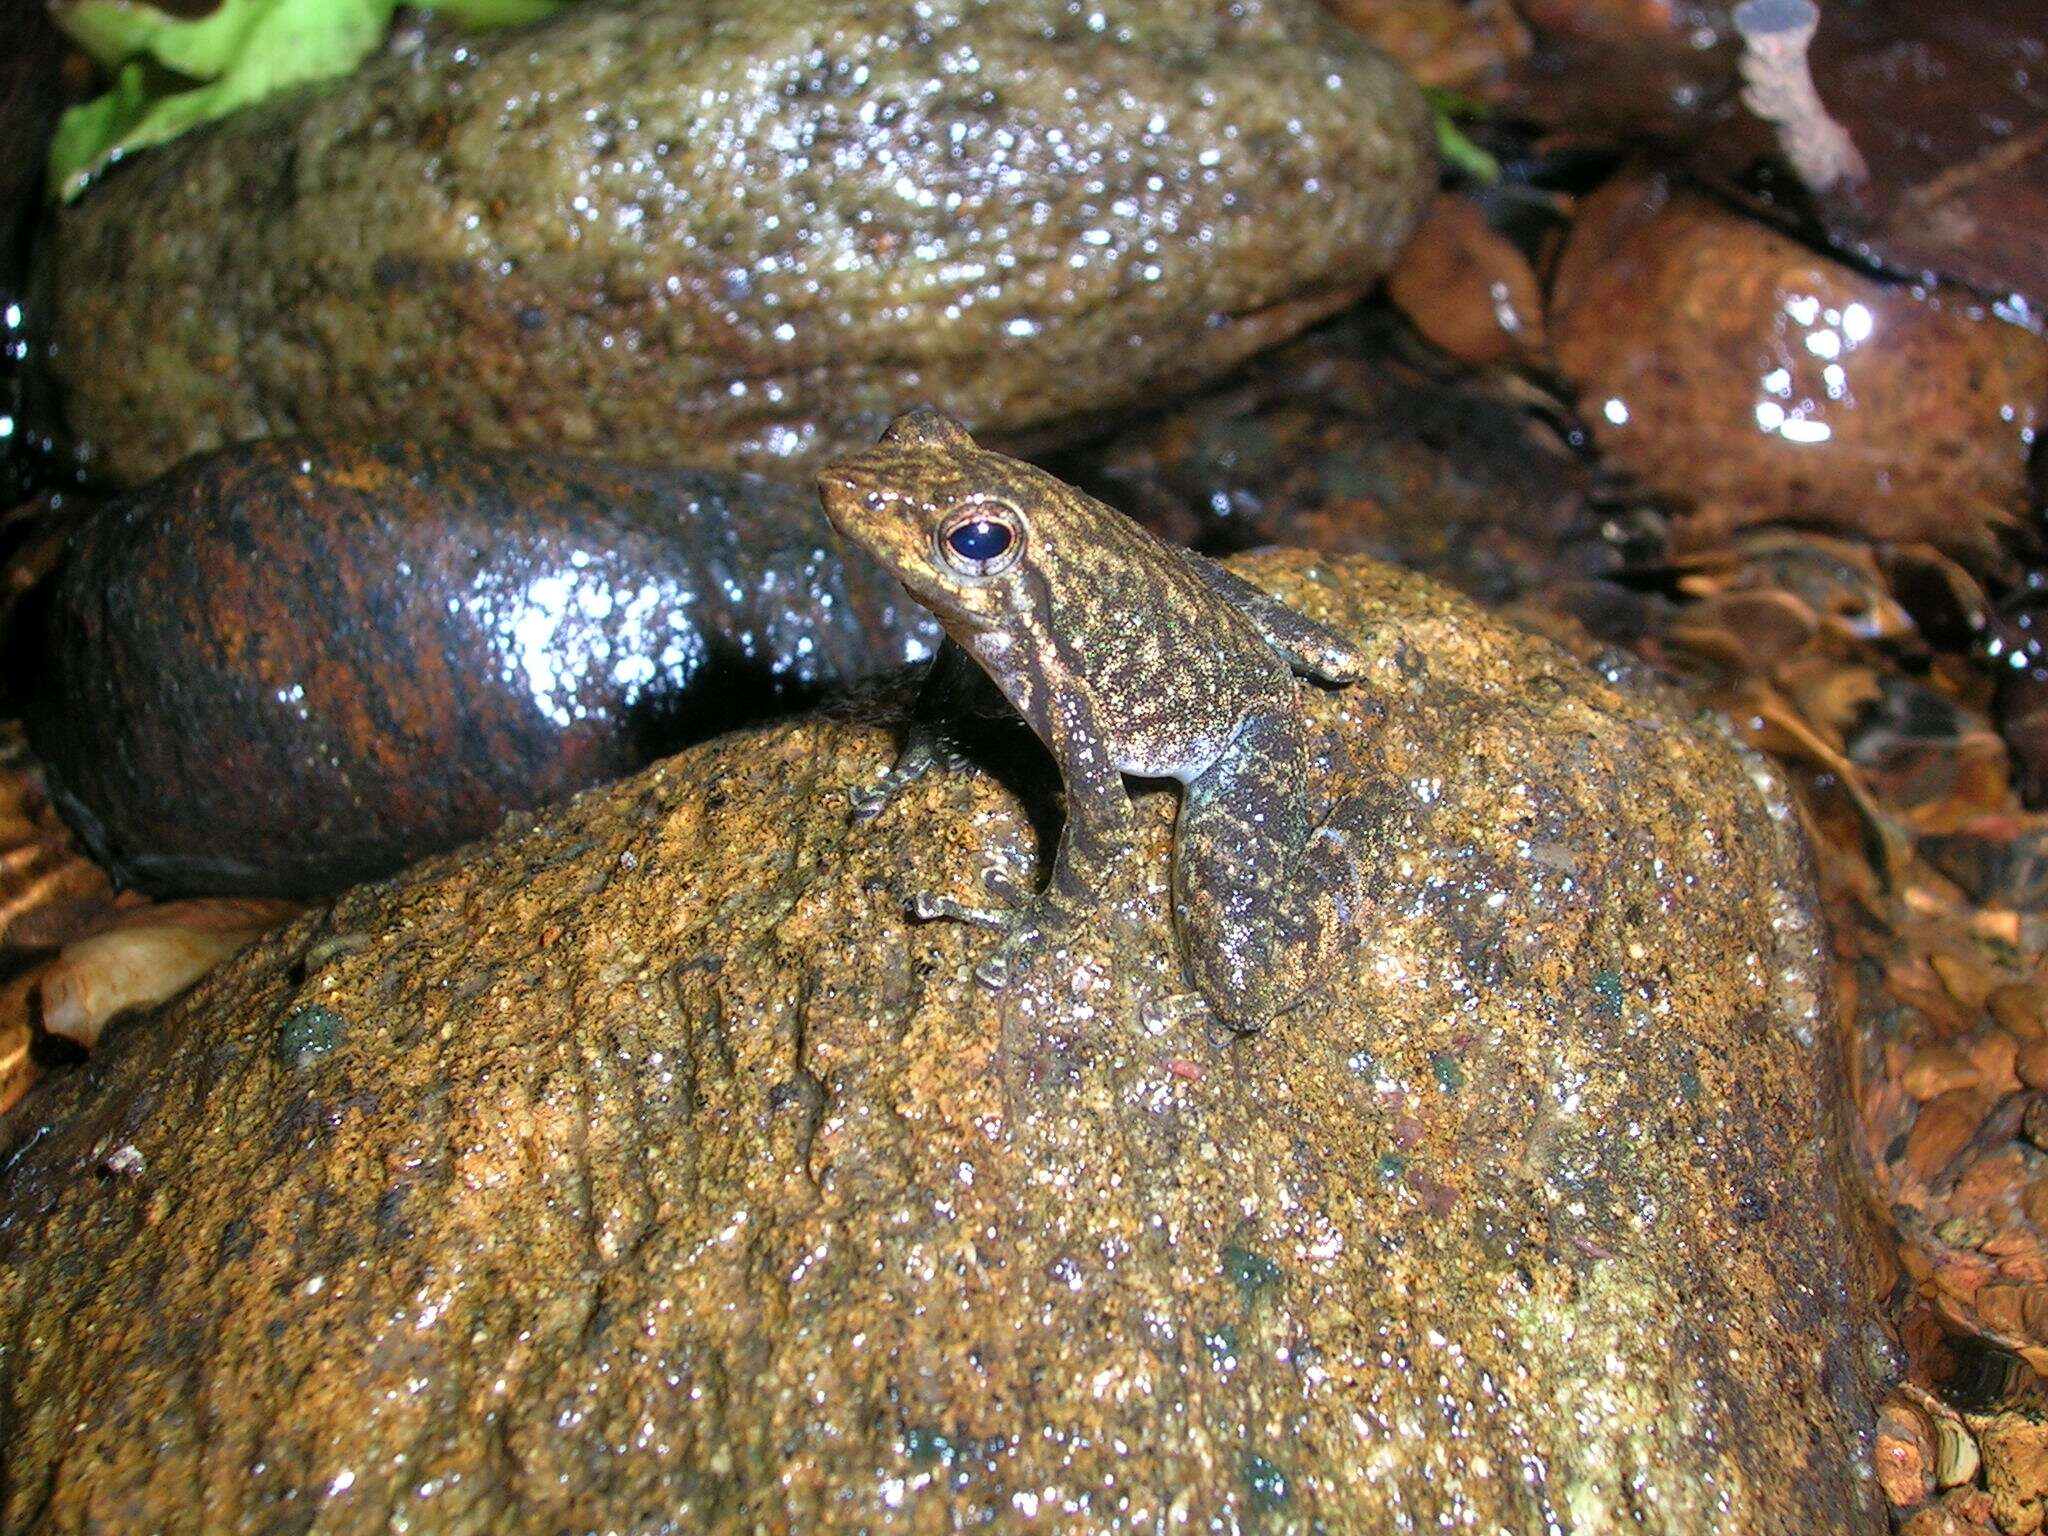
(291, 666)
(1355, 439)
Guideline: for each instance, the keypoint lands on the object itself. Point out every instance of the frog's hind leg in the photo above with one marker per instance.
(1259, 895)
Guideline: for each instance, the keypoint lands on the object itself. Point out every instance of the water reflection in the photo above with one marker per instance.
(1826, 334)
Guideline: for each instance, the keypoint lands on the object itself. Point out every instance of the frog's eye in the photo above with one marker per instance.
(981, 538)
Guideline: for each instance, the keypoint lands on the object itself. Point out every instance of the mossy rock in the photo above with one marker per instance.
(735, 233)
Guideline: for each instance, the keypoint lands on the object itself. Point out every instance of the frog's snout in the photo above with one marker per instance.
(855, 490)
(848, 496)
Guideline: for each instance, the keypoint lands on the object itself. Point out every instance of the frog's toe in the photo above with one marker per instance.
(930, 907)
(869, 801)
(1012, 957)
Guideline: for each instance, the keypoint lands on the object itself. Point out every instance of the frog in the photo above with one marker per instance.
(1127, 656)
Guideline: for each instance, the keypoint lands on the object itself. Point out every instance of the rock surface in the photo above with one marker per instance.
(646, 1169)
(722, 232)
(1353, 440)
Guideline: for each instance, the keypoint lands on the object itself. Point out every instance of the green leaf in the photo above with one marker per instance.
(482, 15)
(173, 73)
(116, 31)
(85, 132)
(1446, 107)
(1464, 155)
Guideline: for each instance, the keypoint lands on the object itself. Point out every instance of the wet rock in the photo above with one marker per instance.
(657, 1169)
(1353, 439)
(725, 233)
(295, 665)
(1735, 369)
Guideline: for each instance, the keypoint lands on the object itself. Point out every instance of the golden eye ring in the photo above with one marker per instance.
(979, 538)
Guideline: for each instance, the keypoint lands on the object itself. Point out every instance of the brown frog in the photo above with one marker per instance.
(1126, 655)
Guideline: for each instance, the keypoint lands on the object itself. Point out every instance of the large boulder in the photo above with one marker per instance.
(647, 1169)
(724, 232)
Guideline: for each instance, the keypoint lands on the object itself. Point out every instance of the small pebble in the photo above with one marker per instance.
(308, 1034)
(1938, 1069)
(1905, 1454)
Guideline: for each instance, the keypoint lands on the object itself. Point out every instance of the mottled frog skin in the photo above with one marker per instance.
(1126, 655)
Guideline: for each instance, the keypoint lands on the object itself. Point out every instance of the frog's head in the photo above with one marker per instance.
(951, 520)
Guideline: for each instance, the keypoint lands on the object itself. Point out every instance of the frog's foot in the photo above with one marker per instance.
(1023, 933)
(932, 907)
(1027, 931)
(1045, 924)
(929, 907)
(1020, 946)
(870, 802)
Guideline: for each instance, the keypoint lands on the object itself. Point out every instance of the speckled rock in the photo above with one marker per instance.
(645, 1169)
(736, 233)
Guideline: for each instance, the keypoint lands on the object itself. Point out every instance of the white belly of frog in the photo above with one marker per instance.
(1186, 762)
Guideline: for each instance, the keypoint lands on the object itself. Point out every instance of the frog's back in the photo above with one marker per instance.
(1175, 667)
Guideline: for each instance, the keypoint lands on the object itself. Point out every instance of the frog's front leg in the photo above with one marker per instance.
(949, 679)
(1096, 836)
(1259, 896)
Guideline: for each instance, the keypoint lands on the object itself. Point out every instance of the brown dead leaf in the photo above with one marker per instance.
(1830, 695)
(17, 1064)
(1938, 1069)
(1467, 289)
(145, 960)
(1943, 1128)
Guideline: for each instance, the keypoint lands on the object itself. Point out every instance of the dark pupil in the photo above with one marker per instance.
(980, 540)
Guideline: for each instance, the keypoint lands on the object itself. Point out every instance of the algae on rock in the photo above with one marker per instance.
(735, 233)
(657, 1173)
